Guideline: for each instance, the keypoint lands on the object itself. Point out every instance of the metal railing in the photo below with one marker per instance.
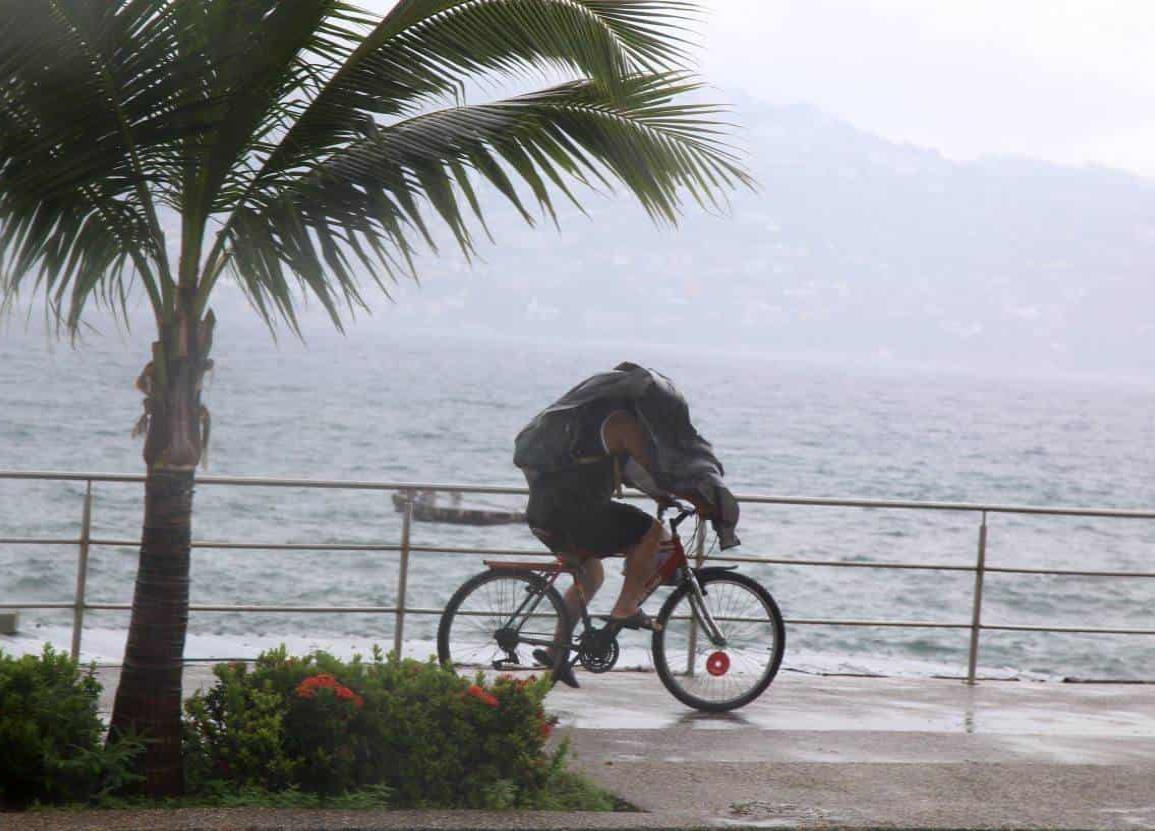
(404, 548)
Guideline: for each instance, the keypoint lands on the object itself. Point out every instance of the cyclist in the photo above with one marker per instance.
(575, 456)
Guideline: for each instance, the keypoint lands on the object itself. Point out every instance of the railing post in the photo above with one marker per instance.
(82, 571)
(699, 558)
(403, 574)
(977, 611)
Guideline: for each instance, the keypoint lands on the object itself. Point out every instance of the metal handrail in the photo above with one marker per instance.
(515, 490)
(405, 548)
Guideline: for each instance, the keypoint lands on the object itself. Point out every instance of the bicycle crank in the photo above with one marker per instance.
(598, 650)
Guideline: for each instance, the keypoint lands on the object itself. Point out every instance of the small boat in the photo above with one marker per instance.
(427, 509)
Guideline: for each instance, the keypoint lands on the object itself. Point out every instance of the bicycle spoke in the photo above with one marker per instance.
(719, 674)
(497, 619)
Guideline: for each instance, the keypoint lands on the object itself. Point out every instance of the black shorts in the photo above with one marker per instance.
(601, 529)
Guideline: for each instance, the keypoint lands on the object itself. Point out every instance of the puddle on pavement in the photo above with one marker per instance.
(777, 815)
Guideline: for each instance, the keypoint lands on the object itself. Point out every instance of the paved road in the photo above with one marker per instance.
(815, 752)
(877, 752)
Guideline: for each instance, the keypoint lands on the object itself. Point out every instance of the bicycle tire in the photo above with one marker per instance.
(511, 587)
(663, 658)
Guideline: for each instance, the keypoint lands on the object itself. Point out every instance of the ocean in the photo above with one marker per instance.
(443, 407)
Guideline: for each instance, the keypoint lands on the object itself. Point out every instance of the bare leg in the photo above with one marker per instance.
(590, 574)
(641, 562)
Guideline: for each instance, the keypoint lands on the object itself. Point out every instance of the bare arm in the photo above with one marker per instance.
(622, 433)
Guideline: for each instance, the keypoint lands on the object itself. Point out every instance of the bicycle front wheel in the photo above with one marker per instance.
(728, 674)
(497, 619)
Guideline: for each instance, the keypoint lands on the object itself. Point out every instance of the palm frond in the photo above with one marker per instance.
(368, 200)
(253, 57)
(86, 137)
(303, 127)
(427, 49)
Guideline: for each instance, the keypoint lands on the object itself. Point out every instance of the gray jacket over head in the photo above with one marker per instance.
(684, 462)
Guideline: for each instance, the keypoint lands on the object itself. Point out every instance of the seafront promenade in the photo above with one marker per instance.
(814, 752)
(878, 752)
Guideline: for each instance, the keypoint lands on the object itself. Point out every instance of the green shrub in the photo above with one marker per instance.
(51, 734)
(330, 727)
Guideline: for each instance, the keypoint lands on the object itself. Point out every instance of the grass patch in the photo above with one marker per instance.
(571, 791)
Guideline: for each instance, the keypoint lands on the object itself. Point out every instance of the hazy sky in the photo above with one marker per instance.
(1064, 80)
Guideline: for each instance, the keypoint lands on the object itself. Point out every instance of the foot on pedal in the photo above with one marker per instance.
(638, 620)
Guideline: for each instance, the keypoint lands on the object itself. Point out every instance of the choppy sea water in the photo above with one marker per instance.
(377, 405)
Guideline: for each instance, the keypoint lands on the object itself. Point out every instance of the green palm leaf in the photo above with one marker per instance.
(427, 49)
(372, 192)
(88, 145)
(303, 127)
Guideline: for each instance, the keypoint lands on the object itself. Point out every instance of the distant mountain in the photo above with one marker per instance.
(853, 247)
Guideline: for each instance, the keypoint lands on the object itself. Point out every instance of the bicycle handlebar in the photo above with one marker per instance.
(684, 512)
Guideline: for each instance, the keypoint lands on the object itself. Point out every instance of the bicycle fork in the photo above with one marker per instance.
(702, 614)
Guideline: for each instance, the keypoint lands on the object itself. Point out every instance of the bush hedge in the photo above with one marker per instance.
(297, 731)
(316, 724)
(51, 735)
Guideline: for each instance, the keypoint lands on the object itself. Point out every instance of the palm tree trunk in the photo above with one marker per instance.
(148, 699)
(149, 696)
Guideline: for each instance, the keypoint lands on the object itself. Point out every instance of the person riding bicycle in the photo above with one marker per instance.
(628, 426)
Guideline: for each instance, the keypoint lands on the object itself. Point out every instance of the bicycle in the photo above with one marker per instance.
(718, 639)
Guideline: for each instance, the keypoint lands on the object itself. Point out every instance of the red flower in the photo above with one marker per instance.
(308, 689)
(346, 694)
(545, 729)
(482, 696)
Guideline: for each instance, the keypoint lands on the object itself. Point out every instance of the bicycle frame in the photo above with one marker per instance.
(551, 571)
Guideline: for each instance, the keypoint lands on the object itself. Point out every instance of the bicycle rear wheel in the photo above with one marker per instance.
(716, 677)
(497, 619)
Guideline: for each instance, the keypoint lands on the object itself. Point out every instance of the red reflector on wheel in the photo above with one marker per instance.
(718, 663)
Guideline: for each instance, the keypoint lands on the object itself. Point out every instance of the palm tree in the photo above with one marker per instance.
(301, 148)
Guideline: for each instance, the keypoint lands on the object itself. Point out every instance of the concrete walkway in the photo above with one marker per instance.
(812, 752)
(877, 752)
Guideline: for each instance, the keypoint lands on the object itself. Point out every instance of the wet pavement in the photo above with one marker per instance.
(876, 752)
(841, 703)
(828, 752)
